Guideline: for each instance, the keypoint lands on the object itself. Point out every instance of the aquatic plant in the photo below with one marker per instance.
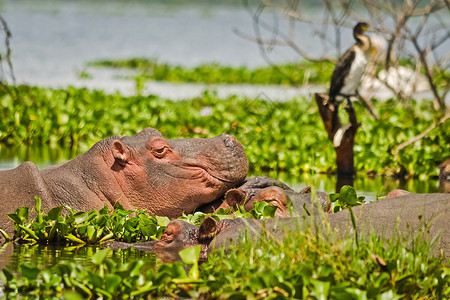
(303, 265)
(292, 74)
(281, 136)
(94, 227)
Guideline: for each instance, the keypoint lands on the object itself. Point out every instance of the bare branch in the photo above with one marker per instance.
(423, 134)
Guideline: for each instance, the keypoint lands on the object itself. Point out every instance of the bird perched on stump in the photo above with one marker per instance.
(350, 68)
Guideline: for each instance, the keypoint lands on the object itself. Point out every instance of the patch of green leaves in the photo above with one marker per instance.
(302, 265)
(280, 136)
(346, 198)
(302, 73)
(78, 227)
(261, 210)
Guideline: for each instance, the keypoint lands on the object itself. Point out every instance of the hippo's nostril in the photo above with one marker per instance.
(229, 142)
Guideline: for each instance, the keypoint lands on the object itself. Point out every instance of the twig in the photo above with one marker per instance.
(423, 134)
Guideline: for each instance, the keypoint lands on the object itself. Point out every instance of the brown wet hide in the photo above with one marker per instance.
(18, 187)
(170, 177)
(404, 214)
(144, 171)
(180, 175)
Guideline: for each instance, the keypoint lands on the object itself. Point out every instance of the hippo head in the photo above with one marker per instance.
(180, 235)
(169, 177)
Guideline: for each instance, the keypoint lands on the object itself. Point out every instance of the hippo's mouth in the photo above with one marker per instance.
(199, 172)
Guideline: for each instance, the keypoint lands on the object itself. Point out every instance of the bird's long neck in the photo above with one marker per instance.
(363, 41)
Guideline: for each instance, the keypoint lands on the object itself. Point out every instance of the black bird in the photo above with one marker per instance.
(351, 66)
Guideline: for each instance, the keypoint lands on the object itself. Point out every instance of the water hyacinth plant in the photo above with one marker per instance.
(305, 263)
(302, 265)
(302, 73)
(78, 227)
(281, 136)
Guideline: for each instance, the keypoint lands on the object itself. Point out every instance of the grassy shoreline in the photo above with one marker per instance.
(288, 74)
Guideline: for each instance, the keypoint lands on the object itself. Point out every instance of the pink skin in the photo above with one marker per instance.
(397, 193)
(273, 195)
(185, 185)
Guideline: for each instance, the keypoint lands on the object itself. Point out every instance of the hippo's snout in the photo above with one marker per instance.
(233, 160)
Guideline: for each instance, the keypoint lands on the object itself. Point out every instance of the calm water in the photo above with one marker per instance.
(53, 41)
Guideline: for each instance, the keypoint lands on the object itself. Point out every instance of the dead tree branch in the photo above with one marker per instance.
(423, 134)
(5, 57)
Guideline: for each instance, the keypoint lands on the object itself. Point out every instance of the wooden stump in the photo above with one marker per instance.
(342, 136)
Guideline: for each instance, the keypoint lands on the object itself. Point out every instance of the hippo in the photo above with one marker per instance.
(403, 212)
(145, 171)
(289, 203)
(168, 177)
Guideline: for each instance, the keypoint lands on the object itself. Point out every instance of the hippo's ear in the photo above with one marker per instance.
(234, 198)
(207, 231)
(120, 151)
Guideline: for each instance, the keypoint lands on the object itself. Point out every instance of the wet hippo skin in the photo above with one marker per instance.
(405, 214)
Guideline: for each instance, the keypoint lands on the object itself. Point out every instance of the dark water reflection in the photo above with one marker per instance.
(45, 256)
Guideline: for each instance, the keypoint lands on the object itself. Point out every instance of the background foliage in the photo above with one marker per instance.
(276, 135)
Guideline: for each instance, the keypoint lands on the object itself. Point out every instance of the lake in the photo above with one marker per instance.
(52, 41)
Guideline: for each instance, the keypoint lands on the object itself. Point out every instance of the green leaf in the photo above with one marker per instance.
(100, 256)
(321, 289)
(95, 280)
(269, 211)
(29, 270)
(52, 232)
(162, 221)
(348, 196)
(15, 218)
(29, 232)
(91, 233)
(190, 255)
(22, 212)
(112, 281)
(54, 213)
(73, 238)
(71, 295)
(8, 274)
(38, 204)
(333, 197)
(80, 217)
(106, 237)
(5, 235)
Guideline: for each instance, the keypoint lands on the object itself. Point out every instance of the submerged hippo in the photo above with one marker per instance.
(404, 214)
(145, 171)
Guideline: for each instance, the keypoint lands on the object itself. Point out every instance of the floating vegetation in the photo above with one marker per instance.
(281, 136)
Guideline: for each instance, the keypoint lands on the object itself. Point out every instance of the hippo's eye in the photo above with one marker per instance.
(160, 152)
